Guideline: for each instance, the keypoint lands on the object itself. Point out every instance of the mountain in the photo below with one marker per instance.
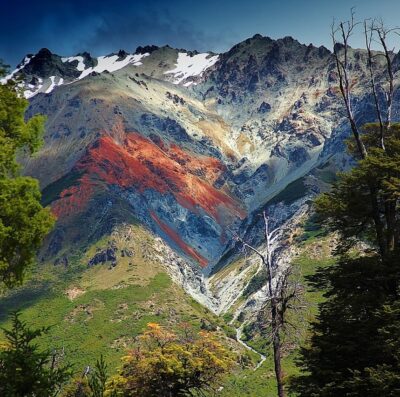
(190, 148)
(192, 145)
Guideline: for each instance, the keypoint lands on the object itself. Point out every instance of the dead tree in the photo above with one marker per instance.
(281, 293)
(382, 33)
(368, 33)
(374, 32)
(341, 54)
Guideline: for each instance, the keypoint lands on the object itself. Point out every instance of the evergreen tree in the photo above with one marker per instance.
(25, 371)
(384, 378)
(347, 208)
(353, 349)
(353, 340)
(98, 379)
(93, 383)
(23, 221)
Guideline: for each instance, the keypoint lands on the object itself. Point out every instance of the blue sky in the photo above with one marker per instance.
(104, 26)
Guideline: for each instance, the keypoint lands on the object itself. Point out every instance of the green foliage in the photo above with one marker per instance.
(23, 222)
(292, 192)
(15, 133)
(52, 191)
(348, 207)
(250, 383)
(312, 229)
(102, 321)
(353, 349)
(384, 378)
(166, 364)
(257, 281)
(90, 324)
(98, 379)
(24, 370)
(228, 317)
(77, 388)
(93, 385)
(350, 339)
(23, 225)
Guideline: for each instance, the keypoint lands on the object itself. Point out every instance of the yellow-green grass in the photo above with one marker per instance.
(100, 310)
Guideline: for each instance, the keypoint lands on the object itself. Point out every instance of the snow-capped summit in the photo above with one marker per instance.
(44, 71)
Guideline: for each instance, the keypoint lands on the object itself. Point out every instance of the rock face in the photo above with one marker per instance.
(107, 255)
(191, 145)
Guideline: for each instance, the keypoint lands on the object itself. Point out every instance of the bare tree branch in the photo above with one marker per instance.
(282, 295)
(345, 30)
(368, 32)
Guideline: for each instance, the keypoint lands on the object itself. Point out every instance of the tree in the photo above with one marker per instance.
(353, 345)
(23, 221)
(97, 380)
(384, 378)
(78, 387)
(25, 371)
(353, 348)
(91, 383)
(347, 208)
(374, 31)
(165, 364)
(284, 293)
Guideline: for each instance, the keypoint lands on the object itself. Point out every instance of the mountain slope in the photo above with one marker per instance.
(98, 302)
(192, 145)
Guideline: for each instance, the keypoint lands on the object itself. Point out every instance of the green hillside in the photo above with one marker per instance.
(101, 309)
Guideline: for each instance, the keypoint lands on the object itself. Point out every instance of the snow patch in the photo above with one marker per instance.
(54, 83)
(81, 65)
(111, 63)
(191, 66)
(32, 89)
(26, 60)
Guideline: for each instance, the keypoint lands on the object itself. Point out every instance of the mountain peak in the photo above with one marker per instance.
(48, 70)
(44, 52)
(289, 40)
(146, 49)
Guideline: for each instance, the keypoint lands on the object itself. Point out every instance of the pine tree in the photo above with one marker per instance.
(98, 379)
(92, 383)
(25, 371)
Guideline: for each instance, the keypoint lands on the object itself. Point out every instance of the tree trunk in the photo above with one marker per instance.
(275, 323)
(390, 215)
(277, 315)
(379, 227)
(276, 341)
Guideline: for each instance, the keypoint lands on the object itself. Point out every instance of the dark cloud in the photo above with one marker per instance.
(154, 26)
(104, 26)
(97, 26)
